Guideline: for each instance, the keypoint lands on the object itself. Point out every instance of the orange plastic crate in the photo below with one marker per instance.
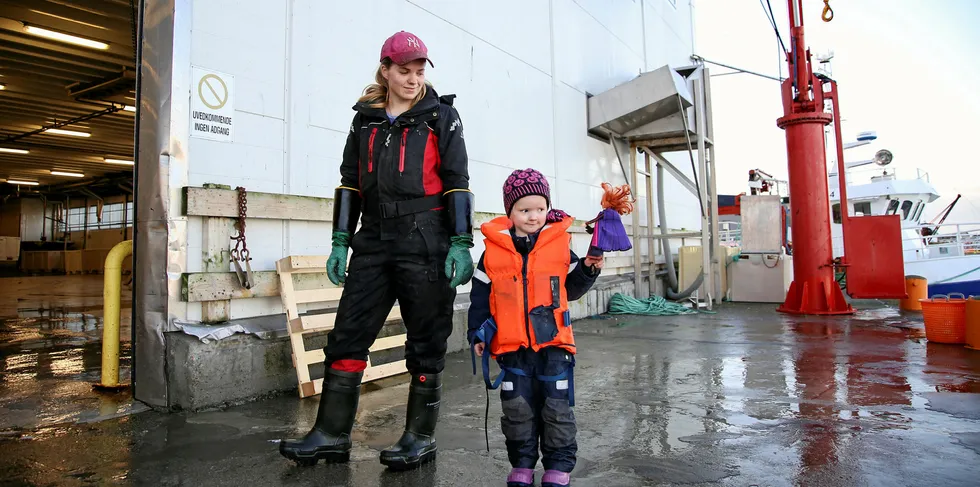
(945, 319)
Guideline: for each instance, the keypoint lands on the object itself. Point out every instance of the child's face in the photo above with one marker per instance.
(529, 214)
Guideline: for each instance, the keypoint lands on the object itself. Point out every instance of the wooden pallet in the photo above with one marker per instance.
(313, 321)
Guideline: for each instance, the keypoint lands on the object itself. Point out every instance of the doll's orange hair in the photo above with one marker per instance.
(617, 198)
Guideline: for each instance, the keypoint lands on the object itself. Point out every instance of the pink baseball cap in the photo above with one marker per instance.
(403, 48)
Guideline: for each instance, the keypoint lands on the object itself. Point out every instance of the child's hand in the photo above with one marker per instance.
(595, 261)
(478, 348)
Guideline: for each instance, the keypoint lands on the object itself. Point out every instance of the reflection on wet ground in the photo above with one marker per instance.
(743, 397)
(51, 353)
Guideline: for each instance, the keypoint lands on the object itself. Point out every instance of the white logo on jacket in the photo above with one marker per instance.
(457, 123)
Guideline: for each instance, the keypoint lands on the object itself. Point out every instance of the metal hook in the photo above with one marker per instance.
(244, 277)
(248, 278)
(828, 13)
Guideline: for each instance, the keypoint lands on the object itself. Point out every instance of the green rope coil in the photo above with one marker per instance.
(621, 304)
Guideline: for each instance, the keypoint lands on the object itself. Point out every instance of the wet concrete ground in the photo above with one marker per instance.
(51, 352)
(742, 397)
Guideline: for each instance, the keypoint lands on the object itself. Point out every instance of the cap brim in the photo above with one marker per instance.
(405, 58)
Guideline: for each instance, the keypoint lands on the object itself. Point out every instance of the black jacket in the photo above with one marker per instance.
(421, 154)
(580, 279)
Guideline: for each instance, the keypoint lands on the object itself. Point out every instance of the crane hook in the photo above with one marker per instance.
(828, 13)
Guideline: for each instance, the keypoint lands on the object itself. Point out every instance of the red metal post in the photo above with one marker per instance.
(814, 289)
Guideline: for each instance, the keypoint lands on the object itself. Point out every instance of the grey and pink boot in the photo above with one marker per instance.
(521, 477)
(554, 478)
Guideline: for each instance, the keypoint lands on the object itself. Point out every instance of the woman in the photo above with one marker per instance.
(404, 172)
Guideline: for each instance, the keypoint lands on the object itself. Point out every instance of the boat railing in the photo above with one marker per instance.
(947, 240)
(730, 234)
(920, 174)
(865, 174)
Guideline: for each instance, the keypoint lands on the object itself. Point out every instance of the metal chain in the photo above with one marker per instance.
(828, 13)
(240, 252)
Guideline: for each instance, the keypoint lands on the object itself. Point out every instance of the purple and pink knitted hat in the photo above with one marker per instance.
(525, 182)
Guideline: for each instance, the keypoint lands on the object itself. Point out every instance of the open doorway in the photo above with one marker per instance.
(67, 131)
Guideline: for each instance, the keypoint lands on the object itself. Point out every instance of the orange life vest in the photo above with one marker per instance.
(512, 296)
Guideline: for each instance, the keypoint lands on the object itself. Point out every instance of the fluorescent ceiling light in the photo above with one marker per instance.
(67, 38)
(14, 151)
(3, 86)
(22, 183)
(67, 132)
(130, 108)
(118, 161)
(69, 174)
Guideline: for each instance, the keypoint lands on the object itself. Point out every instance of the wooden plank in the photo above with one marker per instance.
(317, 295)
(314, 356)
(386, 370)
(322, 322)
(216, 258)
(295, 326)
(216, 286)
(307, 389)
(215, 202)
(302, 369)
(389, 342)
(312, 388)
(303, 263)
(286, 292)
(319, 322)
(315, 387)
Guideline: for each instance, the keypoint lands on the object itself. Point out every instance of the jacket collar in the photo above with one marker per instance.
(498, 232)
(425, 109)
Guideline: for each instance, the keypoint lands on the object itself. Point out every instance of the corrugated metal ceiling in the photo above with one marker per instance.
(47, 81)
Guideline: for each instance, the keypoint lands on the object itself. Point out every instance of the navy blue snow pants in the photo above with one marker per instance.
(537, 412)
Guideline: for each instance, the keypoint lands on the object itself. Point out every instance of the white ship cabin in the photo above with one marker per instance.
(880, 191)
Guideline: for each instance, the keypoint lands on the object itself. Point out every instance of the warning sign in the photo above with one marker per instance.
(212, 105)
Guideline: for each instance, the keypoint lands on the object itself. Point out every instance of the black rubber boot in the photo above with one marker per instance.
(418, 443)
(329, 440)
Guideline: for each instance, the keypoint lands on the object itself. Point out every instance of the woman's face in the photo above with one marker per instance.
(405, 81)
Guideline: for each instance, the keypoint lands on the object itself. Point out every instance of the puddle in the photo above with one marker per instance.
(969, 440)
(969, 386)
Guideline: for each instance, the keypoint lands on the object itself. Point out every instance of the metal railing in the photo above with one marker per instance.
(947, 240)
(864, 175)
(730, 234)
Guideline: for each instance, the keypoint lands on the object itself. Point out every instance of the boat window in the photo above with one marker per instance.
(862, 209)
(892, 207)
(906, 208)
(918, 213)
(837, 217)
(915, 210)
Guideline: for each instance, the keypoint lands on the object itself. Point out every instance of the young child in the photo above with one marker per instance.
(524, 281)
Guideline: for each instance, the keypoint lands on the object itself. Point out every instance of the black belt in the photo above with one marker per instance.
(401, 208)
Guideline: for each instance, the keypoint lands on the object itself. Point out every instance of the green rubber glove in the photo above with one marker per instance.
(459, 260)
(337, 262)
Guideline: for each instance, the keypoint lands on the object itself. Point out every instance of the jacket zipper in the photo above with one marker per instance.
(527, 317)
(401, 156)
(374, 132)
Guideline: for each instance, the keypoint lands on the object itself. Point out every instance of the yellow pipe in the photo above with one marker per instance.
(111, 295)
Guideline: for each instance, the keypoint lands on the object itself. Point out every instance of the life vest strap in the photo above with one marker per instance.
(485, 334)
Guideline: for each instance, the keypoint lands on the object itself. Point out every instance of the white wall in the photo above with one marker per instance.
(32, 221)
(520, 68)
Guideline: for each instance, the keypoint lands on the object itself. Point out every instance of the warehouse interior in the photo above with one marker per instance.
(67, 125)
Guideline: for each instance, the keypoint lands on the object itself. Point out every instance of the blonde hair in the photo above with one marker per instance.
(376, 94)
